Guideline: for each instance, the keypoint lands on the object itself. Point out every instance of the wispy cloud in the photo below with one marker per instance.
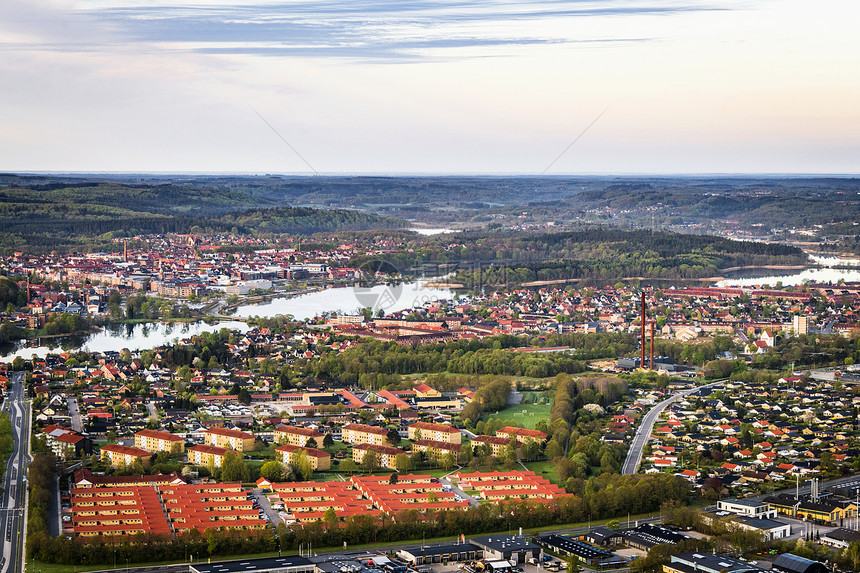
(363, 28)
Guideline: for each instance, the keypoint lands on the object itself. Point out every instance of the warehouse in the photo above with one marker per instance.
(454, 553)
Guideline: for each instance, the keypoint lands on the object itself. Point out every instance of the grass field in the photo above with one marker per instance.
(525, 414)
(545, 469)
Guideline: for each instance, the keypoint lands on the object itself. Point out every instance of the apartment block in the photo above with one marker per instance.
(288, 454)
(364, 434)
(297, 436)
(233, 439)
(155, 441)
(435, 432)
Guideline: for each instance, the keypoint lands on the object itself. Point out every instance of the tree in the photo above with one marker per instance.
(553, 450)
(328, 441)
(234, 469)
(272, 471)
(573, 565)
(330, 518)
(304, 466)
(392, 479)
(311, 443)
(393, 437)
(370, 461)
(349, 466)
(447, 461)
(402, 463)
(244, 397)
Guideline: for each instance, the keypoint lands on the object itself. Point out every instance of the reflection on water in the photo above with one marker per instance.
(752, 277)
(349, 300)
(116, 337)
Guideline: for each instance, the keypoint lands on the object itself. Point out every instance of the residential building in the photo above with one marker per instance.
(226, 438)
(319, 459)
(119, 456)
(435, 432)
(155, 441)
(435, 449)
(521, 434)
(203, 455)
(297, 436)
(364, 434)
(386, 457)
(498, 446)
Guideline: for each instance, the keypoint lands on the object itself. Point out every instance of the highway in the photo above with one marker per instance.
(646, 426)
(12, 503)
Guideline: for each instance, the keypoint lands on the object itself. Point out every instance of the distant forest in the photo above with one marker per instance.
(42, 213)
(86, 216)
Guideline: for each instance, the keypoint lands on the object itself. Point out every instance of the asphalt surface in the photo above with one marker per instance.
(75, 414)
(646, 426)
(12, 519)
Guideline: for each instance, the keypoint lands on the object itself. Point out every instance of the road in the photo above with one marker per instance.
(153, 413)
(75, 414)
(643, 433)
(12, 518)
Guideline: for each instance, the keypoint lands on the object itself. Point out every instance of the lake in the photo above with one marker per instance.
(349, 300)
(140, 336)
(821, 274)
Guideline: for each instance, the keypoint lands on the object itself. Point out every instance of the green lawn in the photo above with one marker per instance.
(545, 469)
(525, 414)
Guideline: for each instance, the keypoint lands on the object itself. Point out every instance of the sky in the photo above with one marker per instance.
(430, 87)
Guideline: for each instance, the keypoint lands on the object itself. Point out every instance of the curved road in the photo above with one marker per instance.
(646, 426)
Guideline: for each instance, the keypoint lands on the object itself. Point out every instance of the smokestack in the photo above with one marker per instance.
(28, 288)
(125, 250)
(642, 359)
(652, 346)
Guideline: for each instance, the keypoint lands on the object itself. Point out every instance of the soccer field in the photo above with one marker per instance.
(525, 414)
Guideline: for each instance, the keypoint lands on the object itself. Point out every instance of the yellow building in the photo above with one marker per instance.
(233, 439)
(386, 457)
(154, 441)
(498, 446)
(288, 454)
(296, 436)
(119, 456)
(203, 455)
(435, 432)
(364, 434)
(521, 434)
(435, 449)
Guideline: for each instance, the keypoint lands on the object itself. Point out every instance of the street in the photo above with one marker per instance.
(646, 426)
(12, 518)
(74, 414)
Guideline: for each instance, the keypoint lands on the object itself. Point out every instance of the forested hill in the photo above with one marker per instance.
(45, 215)
(592, 255)
(612, 254)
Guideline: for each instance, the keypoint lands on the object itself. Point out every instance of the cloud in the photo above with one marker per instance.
(362, 29)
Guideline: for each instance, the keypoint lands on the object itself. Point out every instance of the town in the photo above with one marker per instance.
(735, 407)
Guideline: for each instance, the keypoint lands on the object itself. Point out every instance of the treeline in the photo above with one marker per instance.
(490, 396)
(303, 221)
(608, 496)
(7, 442)
(491, 355)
